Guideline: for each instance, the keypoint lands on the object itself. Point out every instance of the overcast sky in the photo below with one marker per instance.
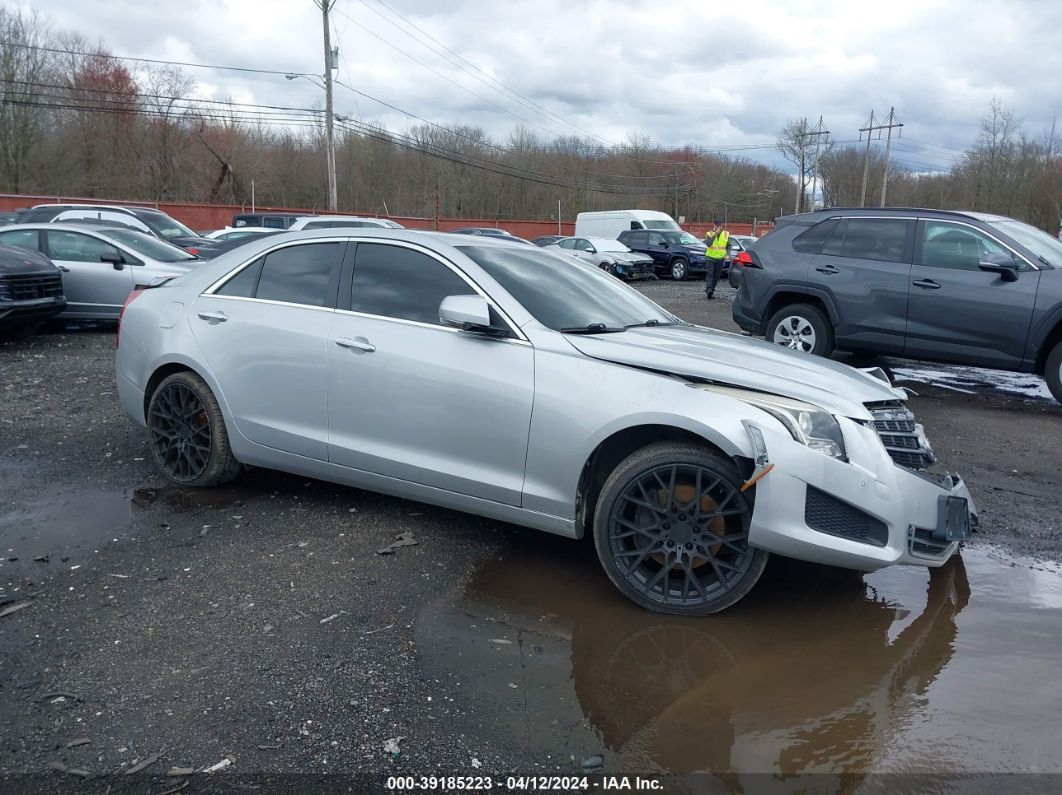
(679, 71)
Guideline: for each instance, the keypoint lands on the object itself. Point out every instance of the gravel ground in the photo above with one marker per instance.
(258, 621)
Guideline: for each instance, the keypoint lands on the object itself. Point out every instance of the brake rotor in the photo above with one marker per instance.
(686, 493)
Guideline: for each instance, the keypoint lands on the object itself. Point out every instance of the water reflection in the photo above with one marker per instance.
(817, 671)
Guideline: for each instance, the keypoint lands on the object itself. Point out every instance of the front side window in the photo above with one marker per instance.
(400, 283)
(163, 225)
(947, 245)
(28, 239)
(583, 245)
(305, 274)
(76, 247)
(656, 239)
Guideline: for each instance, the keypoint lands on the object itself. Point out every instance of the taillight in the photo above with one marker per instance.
(748, 259)
(192, 250)
(118, 331)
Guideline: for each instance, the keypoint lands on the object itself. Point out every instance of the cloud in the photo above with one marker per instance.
(679, 71)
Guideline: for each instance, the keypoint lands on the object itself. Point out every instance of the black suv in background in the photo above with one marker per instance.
(677, 254)
(31, 291)
(958, 287)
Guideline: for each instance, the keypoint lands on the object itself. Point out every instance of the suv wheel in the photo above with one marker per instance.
(672, 530)
(1053, 372)
(801, 327)
(680, 269)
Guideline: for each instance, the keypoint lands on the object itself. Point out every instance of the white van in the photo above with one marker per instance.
(610, 223)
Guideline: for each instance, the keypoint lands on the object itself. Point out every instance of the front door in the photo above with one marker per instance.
(411, 399)
(865, 269)
(959, 312)
(264, 333)
(94, 289)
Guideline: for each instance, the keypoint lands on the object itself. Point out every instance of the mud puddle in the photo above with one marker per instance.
(819, 670)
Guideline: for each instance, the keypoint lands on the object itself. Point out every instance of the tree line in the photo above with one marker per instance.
(77, 121)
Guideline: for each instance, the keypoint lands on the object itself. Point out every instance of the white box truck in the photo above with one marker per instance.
(609, 223)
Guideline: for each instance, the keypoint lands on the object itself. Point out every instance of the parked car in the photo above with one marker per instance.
(100, 266)
(144, 219)
(336, 221)
(410, 365)
(235, 242)
(268, 220)
(677, 254)
(738, 244)
(8, 218)
(959, 287)
(610, 223)
(609, 255)
(31, 291)
(481, 230)
(232, 233)
(546, 240)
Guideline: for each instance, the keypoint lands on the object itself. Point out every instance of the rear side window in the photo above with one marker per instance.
(397, 282)
(306, 274)
(810, 241)
(882, 239)
(23, 238)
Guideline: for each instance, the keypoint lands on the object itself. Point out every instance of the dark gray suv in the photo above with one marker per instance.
(960, 287)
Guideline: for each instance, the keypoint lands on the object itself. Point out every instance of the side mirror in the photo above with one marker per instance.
(468, 313)
(1006, 268)
(116, 259)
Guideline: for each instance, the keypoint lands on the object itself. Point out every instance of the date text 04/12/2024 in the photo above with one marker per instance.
(522, 783)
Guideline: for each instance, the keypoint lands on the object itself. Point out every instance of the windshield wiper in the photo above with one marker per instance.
(651, 323)
(593, 328)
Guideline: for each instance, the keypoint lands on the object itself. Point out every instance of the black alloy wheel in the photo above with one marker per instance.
(187, 433)
(673, 531)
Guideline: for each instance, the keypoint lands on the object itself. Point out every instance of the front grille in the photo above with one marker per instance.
(920, 542)
(827, 514)
(903, 438)
(33, 287)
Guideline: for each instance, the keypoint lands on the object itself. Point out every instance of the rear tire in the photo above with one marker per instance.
(20, 332)
(188, 438)
(801, 327)
(680, 269)
(1053, 371)
(671, 530)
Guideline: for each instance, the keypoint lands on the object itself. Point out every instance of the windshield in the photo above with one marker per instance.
(150, 247)
(1037, 241)
(683, 239)
(164, 226)
(666, 224)
(562, 294)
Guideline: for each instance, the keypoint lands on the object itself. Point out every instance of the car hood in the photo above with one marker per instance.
(735, 360)
(628, 256)
(19, 261)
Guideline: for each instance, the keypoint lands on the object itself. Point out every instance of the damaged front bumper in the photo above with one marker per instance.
(864, 513)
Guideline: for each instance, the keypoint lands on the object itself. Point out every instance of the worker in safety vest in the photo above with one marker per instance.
(716, 239)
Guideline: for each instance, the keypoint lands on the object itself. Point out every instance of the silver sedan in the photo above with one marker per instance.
(609, 255)
(101, 266)
(499, 380)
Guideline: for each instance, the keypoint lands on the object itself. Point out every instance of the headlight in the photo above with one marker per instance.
(806, 423)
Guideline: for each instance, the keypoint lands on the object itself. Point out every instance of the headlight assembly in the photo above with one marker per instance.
(806, 423)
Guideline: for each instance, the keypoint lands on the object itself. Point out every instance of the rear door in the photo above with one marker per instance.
(264, 333)
(959, 312)
(411, 399)
(864, 270)
(93, 288)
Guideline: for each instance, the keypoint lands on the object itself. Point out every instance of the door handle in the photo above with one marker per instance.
(356, 344)
(927, 284)
(220, 317)
(828, 269)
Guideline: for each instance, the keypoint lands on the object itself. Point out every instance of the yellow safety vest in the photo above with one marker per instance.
(717, 248)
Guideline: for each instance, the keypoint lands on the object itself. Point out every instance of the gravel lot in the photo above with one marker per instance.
(258, 621)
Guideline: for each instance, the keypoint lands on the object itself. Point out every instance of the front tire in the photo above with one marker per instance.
(801, 327)
(187, 434)
(21, 331)
(671, 530)
(1053, 371)
(680, 269)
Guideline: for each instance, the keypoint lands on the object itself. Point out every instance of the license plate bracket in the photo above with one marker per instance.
(953, 518)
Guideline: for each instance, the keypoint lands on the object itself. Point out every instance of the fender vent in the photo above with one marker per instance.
(827, 514)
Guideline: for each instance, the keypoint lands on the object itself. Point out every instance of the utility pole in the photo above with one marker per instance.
(890, 123)
(330, 138)
(868, 129)
(815, 168)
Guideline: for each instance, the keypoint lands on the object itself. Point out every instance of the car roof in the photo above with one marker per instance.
(90, 228)
(81, 206)
(830, 212)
